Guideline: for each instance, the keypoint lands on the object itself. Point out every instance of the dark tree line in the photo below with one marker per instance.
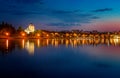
(5, 27)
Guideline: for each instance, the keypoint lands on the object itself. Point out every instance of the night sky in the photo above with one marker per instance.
(101, 15)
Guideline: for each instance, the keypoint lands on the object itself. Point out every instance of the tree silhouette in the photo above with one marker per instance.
(20, 29)
(5, 27)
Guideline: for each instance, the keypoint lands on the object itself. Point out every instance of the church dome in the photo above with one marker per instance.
(30, 28)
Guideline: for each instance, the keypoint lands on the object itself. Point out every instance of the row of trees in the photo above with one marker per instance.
(5, 27)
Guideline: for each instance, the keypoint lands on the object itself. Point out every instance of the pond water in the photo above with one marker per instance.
(59, 58)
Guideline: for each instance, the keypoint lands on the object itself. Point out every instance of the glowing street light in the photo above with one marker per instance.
(38, 35)
(23, 34)
(47, 35)
(7, 34)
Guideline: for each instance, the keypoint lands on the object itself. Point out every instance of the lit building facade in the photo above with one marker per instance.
(30, 28)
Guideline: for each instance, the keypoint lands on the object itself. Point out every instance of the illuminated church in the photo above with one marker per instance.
(30, 28)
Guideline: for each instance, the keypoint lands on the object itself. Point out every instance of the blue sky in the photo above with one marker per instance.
(59, 14)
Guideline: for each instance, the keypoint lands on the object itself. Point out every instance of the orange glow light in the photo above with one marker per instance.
(23, 34)
(6, 34)
(23, 43)
(7, 44)
(47, 35)
(38, 35)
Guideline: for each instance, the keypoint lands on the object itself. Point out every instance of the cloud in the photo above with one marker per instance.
(23, 13)
(64, 11)
(95, 17)
(63, 24)
(103, 10)
(18, 12)
(45, 15)
(25, 1)
(71, 18)
(21, 7)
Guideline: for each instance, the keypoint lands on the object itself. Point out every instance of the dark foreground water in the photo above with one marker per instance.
(59, 58)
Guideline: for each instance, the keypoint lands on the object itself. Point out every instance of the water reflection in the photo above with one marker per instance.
(29, 46)
(23, 43)
(7, 45)
(38, 43)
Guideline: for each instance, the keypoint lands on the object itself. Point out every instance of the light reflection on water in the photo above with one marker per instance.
(60, 57)
(7, 44)
(23, 43)
(30, 45)
(97, 45)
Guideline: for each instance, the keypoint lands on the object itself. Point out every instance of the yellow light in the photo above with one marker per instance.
(23, 34)
(67, 43)
(30, 47)
(75, 42)
(23, 43)
(47, 35)
(7, 44)
(6, 33)
(56, 43)
(47, 41)
(53, 41)
(38, 42)
(38, 35)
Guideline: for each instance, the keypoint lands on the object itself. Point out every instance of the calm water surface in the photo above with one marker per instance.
(59, 58)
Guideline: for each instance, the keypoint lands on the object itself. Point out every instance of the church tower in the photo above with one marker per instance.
(30, 28)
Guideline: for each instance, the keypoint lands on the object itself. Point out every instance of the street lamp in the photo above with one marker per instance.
(38, 35)
(23, 34)
(7, 34)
